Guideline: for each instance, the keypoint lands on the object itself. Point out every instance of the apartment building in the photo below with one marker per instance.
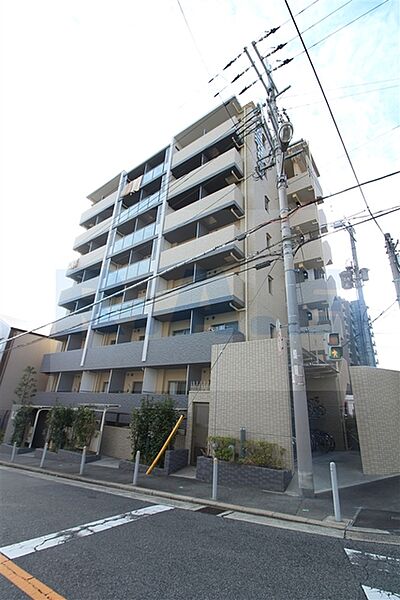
(354, 325)
(163, 258)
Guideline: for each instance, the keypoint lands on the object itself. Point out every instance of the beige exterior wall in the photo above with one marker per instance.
(377, 406)
(116, 442)
(14, 362)
(250, 389)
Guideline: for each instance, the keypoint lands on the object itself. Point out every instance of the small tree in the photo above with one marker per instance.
(59, 420)
(26, 388)
(21, 421)
(83, 427)
(150, 426)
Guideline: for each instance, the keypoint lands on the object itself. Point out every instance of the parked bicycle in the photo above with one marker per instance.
(321, 441)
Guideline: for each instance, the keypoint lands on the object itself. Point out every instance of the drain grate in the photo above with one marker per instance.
(211, 510)
(388, 520)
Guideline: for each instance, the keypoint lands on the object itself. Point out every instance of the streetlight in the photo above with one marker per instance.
(285, 134)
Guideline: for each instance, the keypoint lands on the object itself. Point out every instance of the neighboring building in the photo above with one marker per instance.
(178, 217)
(356, 331)
(15, 356)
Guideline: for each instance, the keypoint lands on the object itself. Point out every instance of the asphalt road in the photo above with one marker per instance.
(177, 553)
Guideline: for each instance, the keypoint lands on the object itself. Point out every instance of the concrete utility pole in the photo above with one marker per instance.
(282, 135)
(394, 259)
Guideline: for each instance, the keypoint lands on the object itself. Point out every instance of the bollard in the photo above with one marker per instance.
(335, 492)
(13, 451)
(44, 454)
(136, 468)
(214, 479)
(242, 441)
(83, 459)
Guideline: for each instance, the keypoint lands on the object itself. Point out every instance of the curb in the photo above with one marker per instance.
(348, 531)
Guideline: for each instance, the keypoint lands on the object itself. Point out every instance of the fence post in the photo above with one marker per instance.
(214, 479)
(136, 468)
(83, 460)
(335, 492)
(13, 451)
(44, 454)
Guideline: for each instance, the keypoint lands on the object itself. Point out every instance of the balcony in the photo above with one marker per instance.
(98, 207)
(167, 351)
(227, 197)
(313, 255)
(304, 187)
(137, 269)
(86, 260)
(92, 233)
(227, 163)
(125, 402)
(79, 290)
(202, 245)
(71, 324)
(152, 174)
(316, 291)
(139, 208)
(218, 290)
(203, 142)
(305, 219)
(134, 238)
(120, 312)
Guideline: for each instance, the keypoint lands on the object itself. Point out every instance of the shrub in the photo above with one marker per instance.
(59, 420)
(221, 447)
(264, 454)
(26, 387)
(150, 426)
(22, 420)
(83, 426)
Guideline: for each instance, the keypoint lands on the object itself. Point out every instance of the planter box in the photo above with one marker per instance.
(67, 455)
(244, 475)
(22, 450)
(174, 460)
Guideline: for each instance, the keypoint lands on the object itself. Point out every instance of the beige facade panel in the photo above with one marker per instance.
(314, 254)
(250, 388)
(377, 406)
(305, 219)
(86, 260)
(97, 208)
(199, 245)
(204, 207)
(203, 142)
(78, 322)
(304, 188)
(92, 233)
(227, 161)
(116, 442)
(79, 290)
(219, 290)
(316, 291)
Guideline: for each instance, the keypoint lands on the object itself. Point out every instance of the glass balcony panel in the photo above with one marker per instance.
(153, 174)
(138, 208)
(134, 238)
(116, 312)
(139, 268)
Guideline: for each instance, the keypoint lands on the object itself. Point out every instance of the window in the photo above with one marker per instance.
(272, 330)
(137, 387)
(266, 203)
(232, 325)
(270, 280)
(176, 387)
(268, 240)
(181, 331)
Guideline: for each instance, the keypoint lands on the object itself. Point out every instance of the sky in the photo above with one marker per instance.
(92, 87)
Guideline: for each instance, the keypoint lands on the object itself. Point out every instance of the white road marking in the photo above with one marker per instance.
(376, 594)
(387, 564)
(61, 537)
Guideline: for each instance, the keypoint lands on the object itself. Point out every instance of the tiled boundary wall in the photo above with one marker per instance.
(250, 389)
(377, 406)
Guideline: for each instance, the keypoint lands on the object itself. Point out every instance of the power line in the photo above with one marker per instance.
(330, 109)
(381, 89)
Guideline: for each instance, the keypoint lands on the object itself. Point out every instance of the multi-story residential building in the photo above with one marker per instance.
(165, 272)
(355, 327)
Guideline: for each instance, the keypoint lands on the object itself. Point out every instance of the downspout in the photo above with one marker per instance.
(246, 241)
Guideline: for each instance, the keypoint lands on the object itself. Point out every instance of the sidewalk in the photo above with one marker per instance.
(381, 495)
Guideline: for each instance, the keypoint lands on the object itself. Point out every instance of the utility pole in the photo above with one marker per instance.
(281, 137)
(394, 260)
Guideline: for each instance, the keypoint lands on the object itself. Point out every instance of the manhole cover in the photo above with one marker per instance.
(211, 510)
(388, 520)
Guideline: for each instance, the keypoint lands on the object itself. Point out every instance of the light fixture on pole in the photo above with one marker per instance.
(285, 135)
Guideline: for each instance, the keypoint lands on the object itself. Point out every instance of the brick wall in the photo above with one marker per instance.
(250, 389)
(116, 442)
(377, 406)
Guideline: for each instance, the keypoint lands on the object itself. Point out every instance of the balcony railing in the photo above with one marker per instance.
(136, 269)
(140, 207)
(153, 174)
(118, 312)
(134, 238)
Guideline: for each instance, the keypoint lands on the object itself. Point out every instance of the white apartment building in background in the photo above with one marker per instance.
(162, 249)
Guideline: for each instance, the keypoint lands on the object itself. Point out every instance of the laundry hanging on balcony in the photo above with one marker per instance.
(132, 186)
